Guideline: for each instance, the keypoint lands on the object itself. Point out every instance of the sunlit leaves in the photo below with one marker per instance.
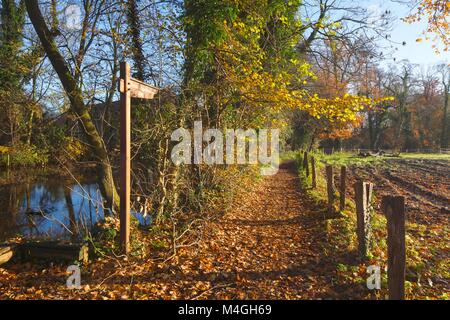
(437, 13)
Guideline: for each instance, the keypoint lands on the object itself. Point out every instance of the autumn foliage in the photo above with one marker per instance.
(437, 15)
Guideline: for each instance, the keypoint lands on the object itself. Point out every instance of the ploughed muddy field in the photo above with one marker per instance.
(425, 184)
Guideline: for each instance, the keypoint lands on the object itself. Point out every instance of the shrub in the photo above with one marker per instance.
(23, 155)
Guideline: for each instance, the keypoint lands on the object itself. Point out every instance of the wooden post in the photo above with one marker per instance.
(342, 188)
(128, 88)
(363, 199)
(125, 157)
(305, 163)
(394, 209)
(313, 172)
(330, 188)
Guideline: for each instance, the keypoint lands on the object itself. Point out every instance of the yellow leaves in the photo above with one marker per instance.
(340, 110)
(336, 25)
(237, 24)
(283, 20)
(254, 29)
(247, 78)
(4, 149)
(341, 113)
(419, 40)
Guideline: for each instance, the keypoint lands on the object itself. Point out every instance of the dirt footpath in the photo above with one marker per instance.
(265, 247)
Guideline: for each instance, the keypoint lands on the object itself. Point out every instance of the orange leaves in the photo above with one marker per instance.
(437, 12)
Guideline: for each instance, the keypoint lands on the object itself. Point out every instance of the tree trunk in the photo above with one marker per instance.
(371, 131)
(134, 29)
(445, 133)
(73, 91)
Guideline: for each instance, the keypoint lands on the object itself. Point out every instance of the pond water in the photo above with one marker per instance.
(52, 207)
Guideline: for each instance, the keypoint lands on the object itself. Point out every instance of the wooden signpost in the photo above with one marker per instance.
(128, 88)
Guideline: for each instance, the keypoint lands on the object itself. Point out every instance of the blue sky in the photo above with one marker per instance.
(416, 52)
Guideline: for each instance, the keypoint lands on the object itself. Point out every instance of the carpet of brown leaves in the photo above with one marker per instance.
(264, 247)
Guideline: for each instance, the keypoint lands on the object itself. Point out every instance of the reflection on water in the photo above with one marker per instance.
(52, 208)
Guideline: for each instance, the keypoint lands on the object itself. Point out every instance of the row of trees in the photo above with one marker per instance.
(412, 115)
(417, 118)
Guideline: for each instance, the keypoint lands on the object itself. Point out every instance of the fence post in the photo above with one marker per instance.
(363, 199)
(305, 163)
(330, 188)
(394, 209)
(313, 172)
(342, 187)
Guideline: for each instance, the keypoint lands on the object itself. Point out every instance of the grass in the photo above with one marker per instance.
(426, 156)
(349, 158)
(337, 158)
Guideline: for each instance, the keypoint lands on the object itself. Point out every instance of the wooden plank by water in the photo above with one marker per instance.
(55, 251)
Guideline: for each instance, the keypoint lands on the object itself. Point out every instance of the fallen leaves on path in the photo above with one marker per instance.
(264, 247)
